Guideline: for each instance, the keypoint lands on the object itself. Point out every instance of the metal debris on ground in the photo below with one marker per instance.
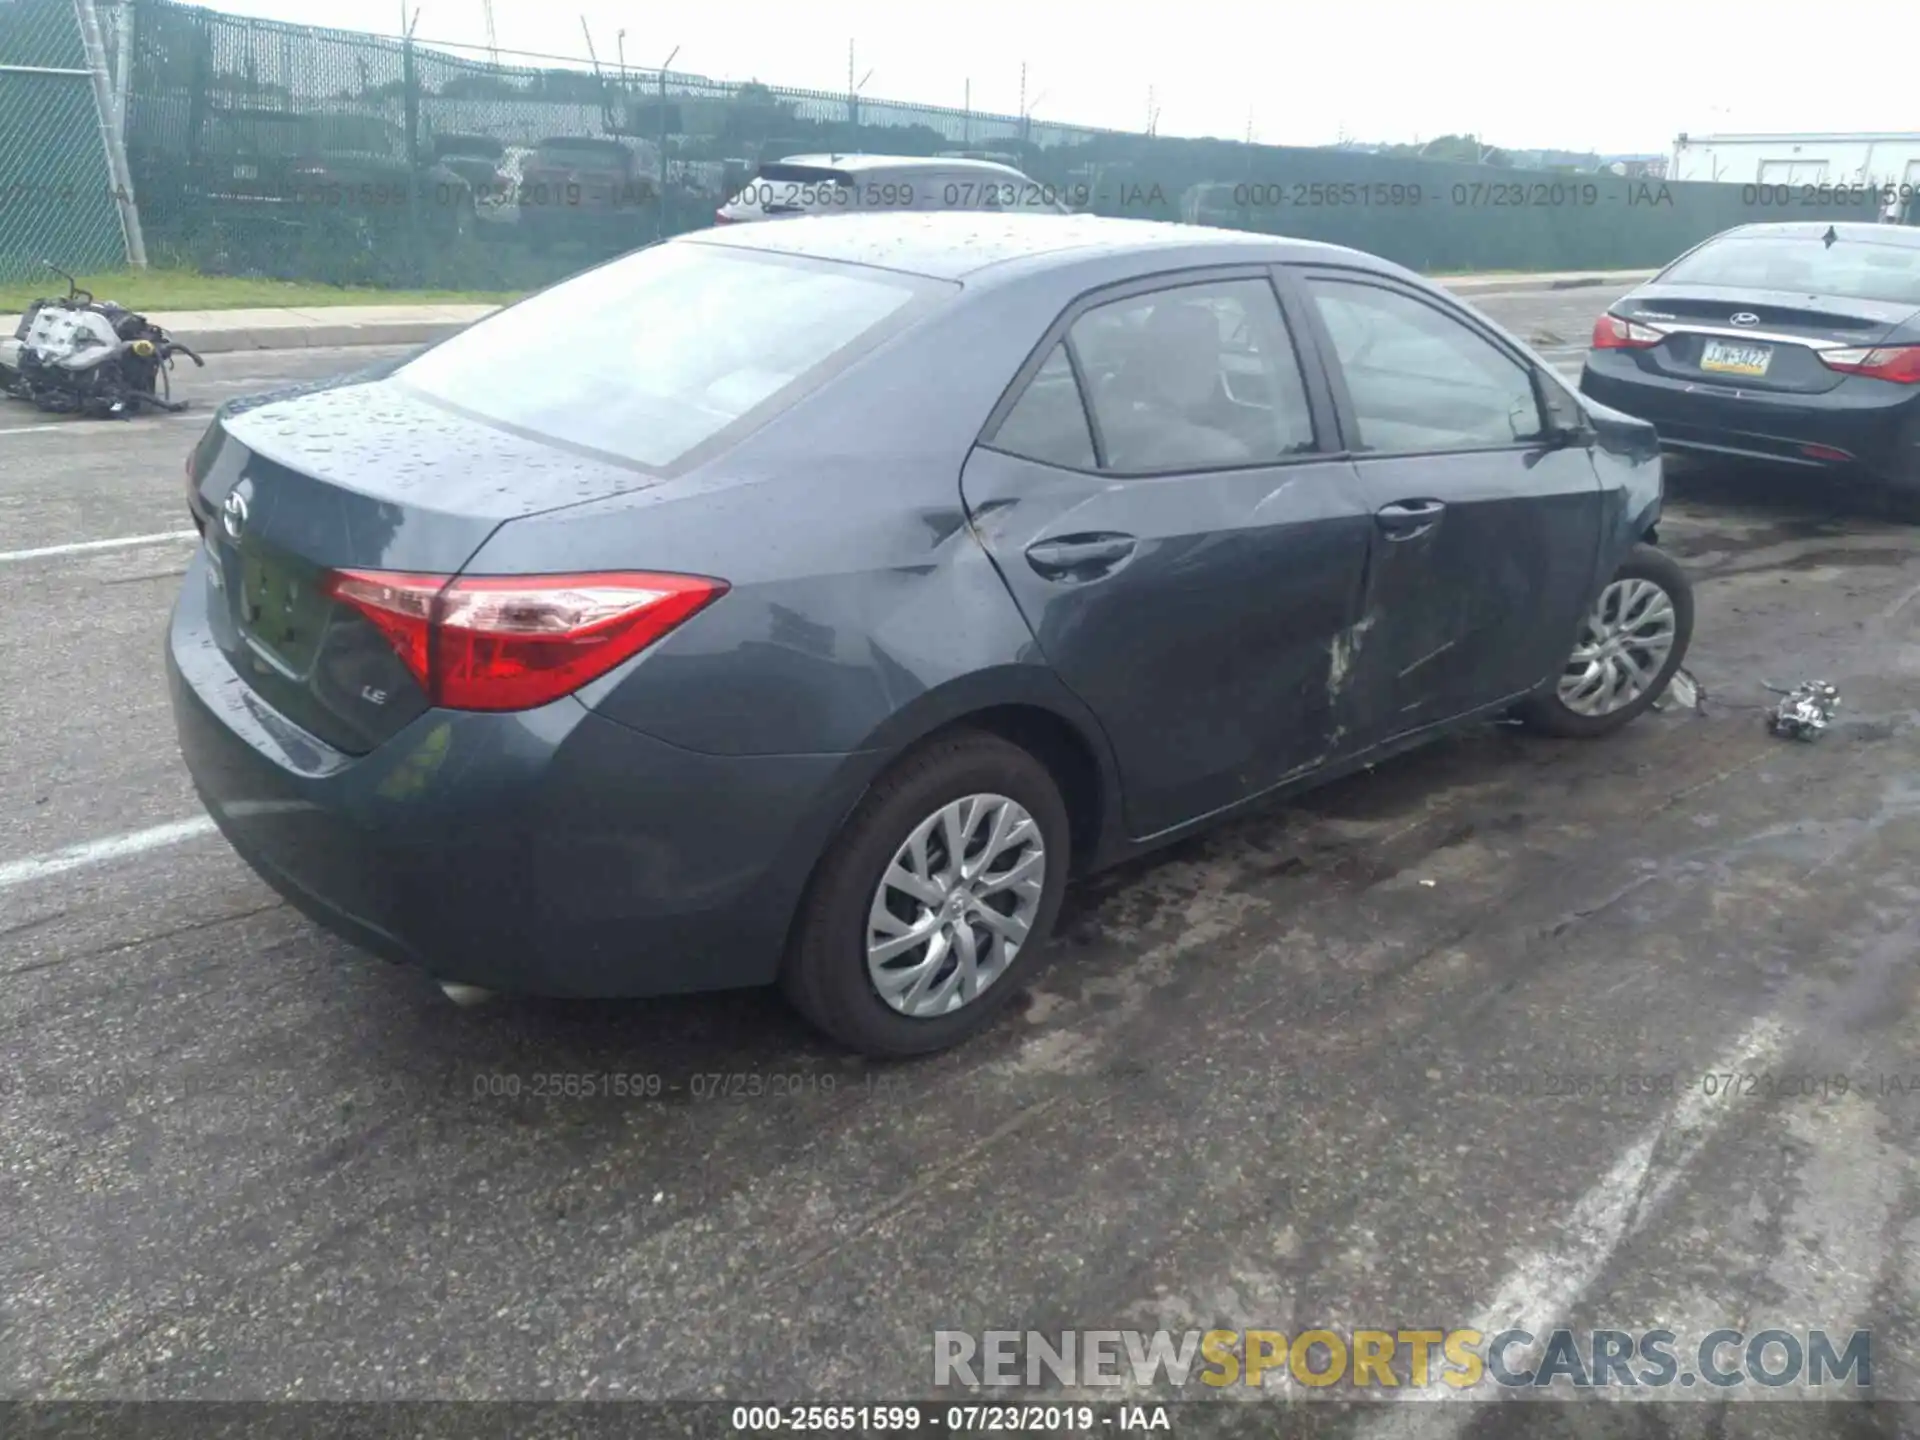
(1807, 710)
(1683, 691)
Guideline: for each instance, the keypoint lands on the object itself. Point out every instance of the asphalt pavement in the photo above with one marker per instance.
(1434, 1045)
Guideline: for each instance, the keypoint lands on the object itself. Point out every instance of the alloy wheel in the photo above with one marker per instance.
(1624, 645)
(955, 905)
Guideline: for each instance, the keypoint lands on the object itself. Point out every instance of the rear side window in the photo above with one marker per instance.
(657, 353)
(1804, 264)
(1192, 378)
(1048, 423)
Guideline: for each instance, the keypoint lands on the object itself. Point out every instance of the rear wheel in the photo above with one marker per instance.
(1630, 644)
(929, 911)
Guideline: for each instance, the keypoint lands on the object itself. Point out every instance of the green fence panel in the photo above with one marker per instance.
(56, 200)
(232, 117)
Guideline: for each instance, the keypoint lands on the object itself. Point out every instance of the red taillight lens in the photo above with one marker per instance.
(720, 217)
(516, 642)
(1898, 363)
(1610, 332)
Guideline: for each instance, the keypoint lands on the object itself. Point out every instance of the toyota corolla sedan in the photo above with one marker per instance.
(1796, 343)
(808, 603)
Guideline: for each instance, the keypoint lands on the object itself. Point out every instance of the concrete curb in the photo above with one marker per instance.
(224, 341)
(1469, 286)
(223, 332)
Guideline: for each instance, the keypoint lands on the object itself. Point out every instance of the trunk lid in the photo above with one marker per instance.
(358, 474)
(1771, 346)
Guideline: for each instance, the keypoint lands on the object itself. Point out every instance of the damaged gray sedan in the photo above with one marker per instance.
(895, 570)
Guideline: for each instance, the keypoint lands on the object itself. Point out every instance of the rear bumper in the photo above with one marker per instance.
(1874, 421)
(552, 852)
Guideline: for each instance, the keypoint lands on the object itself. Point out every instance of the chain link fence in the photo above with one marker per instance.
(56, 197)
(264, 149)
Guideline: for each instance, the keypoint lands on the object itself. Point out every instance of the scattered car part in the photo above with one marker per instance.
(1807, 710)
(80, 356)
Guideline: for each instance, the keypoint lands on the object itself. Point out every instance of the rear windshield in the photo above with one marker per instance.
(477, 146)
(1850, 269)
(287, 136)
(805, 174)
(650, 356)
(584, 152)
(781, 187)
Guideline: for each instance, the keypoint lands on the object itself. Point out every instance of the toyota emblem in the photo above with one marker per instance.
(233, 515)
(1746, 317)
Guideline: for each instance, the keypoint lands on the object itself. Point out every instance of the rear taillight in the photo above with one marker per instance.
(1898, 363)
(1610, 332)
(516, 642)
(720, 217)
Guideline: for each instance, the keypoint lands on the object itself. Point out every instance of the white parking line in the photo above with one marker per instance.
(93, 426)
(95, 852)
(82, 547)
(1545, 1286)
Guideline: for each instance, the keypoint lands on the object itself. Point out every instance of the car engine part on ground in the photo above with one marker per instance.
(1807, 710)
(80, 356)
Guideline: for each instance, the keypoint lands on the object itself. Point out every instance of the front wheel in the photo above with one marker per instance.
(1631, 642)
(929, 911)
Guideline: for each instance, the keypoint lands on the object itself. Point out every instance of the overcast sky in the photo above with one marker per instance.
(1619, 76)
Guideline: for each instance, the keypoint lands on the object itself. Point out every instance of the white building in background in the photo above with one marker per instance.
(1857, 159)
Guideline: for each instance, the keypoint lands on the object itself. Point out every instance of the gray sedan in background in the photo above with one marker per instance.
(839, 589)
(803, 185)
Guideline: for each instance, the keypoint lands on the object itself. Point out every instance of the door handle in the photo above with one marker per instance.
(1080, 557)
(1405, 519)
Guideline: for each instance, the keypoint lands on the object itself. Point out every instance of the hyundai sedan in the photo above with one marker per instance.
(808, 603)
(1795, 343)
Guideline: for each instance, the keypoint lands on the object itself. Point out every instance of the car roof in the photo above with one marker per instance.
(1857, 230)
(950, 164)
(952, 245)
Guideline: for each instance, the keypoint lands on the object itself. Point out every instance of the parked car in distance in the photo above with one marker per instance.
(577, 187)
(474, 158)
(291, 166)
(497, 202)
(844, 184)
(1795, 343)
(825, 646)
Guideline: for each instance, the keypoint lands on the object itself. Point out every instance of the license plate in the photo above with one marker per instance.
(1731, 359)
(275, 609)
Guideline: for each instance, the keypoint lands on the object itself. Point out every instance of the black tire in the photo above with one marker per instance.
(1895, 499)
(825, 970)
(1547, 713)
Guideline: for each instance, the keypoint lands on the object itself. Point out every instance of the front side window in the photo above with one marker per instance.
(1191, 378)
(1420, 379)
(659, 352)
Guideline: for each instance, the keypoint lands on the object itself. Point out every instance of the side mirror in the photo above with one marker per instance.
(1566, 419)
